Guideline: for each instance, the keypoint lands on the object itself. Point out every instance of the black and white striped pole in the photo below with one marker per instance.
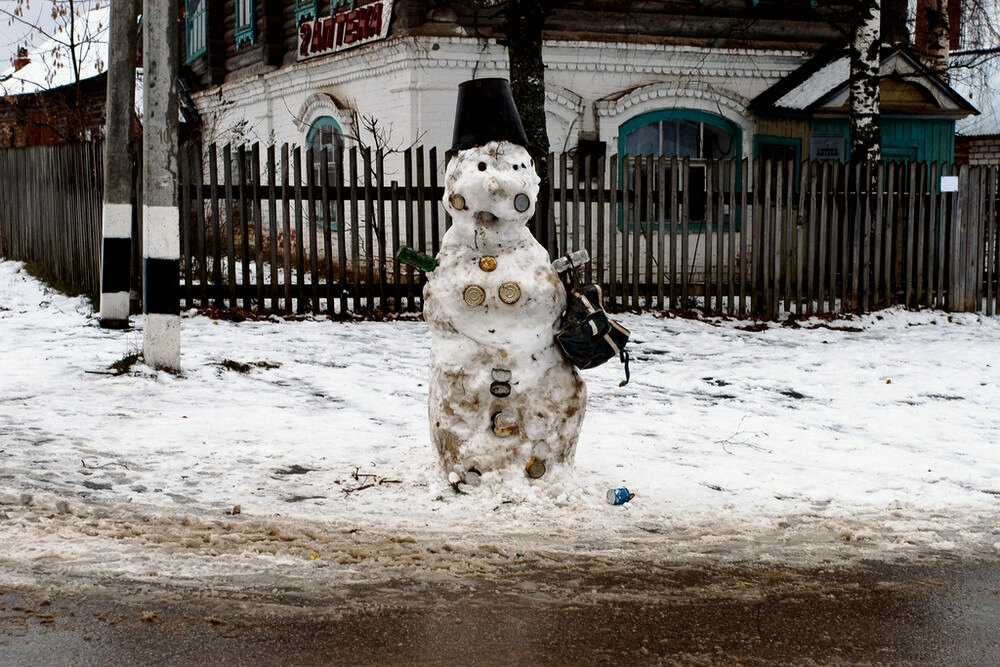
(161, 340)
(116, 247)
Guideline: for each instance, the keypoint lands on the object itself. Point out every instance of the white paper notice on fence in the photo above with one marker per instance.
(949, 184)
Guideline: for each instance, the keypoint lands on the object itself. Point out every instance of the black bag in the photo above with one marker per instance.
(588, 337)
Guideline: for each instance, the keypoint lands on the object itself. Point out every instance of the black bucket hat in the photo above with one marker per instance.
(486, 112)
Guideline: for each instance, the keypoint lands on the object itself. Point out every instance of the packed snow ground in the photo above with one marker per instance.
(874, 437)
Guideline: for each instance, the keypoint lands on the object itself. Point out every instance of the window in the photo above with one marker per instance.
(680, 133)
(195, 29)
(244, 22)
(325, 134)
(305, 10)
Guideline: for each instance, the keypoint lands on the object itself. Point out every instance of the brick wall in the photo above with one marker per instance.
(56, 116)
(984, 150)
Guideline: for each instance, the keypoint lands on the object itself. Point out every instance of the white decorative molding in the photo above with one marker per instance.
(686, 95)
(565, 98)
(323, 104)
(615, 110)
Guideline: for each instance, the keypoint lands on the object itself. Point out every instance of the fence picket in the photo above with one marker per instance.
(933, 179)
(661, 223)
(355, 277)
(991, 241)
(185, 223)
(341, 207)
(602, 222)
(258, 224)
(435, 224)
(865, 245)
(408, 209)
(272, 226)
(588, 217)
(685, 228)
(707, 231)
(421, 210)
(647, 233)
(380, 218)
(286, 230)
(397, 278)
(300, 260)
(919, 196)
(674, 219)
(370, 223)
(327, 221)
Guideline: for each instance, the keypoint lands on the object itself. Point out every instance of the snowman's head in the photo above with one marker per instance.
(493, 184)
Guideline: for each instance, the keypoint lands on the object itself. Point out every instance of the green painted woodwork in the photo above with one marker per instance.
(920, 139)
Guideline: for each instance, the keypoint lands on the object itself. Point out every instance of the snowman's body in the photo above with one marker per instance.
(501, 392)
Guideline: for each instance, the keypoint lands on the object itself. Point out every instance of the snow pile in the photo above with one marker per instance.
(308, 443)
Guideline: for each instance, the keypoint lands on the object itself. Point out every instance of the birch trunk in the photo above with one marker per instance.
(864, 95)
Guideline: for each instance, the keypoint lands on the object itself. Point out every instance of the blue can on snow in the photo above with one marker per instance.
(619, 496)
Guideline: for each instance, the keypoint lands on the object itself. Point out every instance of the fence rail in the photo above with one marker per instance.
(50, 211)
(288, 230)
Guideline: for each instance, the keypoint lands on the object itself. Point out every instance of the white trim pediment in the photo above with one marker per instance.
(679, 95)
(323, 104)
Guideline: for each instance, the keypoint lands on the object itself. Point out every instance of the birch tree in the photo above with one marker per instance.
(938, 34)
(865, 50)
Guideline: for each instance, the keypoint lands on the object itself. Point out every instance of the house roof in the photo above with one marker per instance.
(822, 86)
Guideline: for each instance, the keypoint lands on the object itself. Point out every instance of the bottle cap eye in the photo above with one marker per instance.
(522, 202)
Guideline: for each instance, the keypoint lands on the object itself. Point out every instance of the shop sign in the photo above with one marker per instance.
(345, 30)
(827, 146)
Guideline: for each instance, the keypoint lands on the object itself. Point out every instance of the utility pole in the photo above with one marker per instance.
(116, 248)
(161, 341)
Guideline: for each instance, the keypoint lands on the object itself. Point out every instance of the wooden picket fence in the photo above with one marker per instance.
(50, 211)
(286, 231)
(289, 231)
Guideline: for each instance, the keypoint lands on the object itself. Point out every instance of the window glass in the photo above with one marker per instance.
(675, 133)
(326, 134)
(195, 35)
(244, 22)
(644, 140)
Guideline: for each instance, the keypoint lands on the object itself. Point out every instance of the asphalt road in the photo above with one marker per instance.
(580, 612)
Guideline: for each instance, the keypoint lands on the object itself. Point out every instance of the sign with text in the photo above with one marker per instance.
(827, 146)
(345, 30)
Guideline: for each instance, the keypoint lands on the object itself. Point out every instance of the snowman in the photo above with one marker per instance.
(501, 393)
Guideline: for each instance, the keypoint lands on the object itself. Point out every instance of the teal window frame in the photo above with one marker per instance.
(688, 115)
(318, 125)
(244, 22)
(305, 10)
(195, 22)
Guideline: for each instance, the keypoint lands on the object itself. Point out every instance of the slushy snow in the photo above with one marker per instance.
(303, 447)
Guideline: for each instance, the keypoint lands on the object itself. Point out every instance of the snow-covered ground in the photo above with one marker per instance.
(874, 437)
